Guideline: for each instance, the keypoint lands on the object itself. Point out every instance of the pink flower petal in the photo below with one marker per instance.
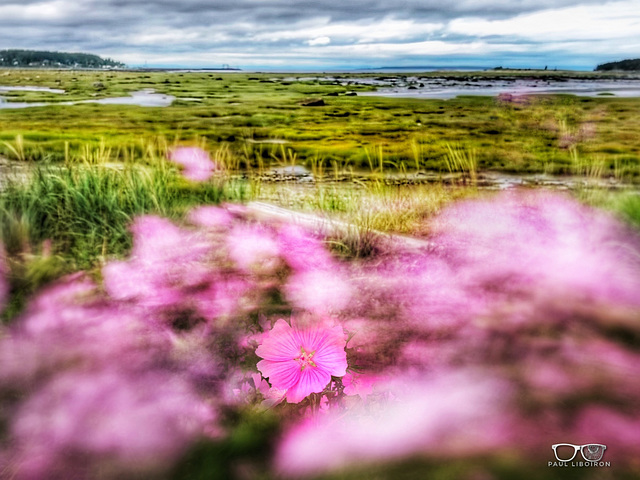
(279, 344)
(312, 380)
(281, 374)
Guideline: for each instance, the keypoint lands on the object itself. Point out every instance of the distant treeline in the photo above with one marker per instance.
(32, 58)
(622, 65)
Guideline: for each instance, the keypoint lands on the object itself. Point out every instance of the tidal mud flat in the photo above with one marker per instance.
(446, 88)
(141, 98)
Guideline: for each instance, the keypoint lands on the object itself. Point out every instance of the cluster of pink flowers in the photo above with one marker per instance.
(221, 267)
(479, 344)
(525, 305)
(137, 373)
(94, 388)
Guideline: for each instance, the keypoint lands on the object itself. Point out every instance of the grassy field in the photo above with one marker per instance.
(243, 113)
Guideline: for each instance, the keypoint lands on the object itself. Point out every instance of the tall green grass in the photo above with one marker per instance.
(16, 149)
(590, 169)
(463, 160)
(625, 204)
(629, 209)
(85, 210)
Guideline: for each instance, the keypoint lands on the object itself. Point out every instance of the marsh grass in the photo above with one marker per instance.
(414, 133)
(628, 207)
(371, 207)
(590, 169)
(357, 241)
(65, 217)
(16, 149)
(369, 212)
(85, 210)
(625, 204)
(463, 160)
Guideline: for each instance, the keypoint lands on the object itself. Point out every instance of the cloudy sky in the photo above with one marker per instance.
(329, 34)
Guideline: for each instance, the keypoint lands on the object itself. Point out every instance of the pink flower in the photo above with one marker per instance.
(318, 291)
(209, 216)
(196, 162)
(157, 240)
(302, 361)
(165, 261)
(541, 242)
(252, 247)
(613, 427)
(302, 251)
(357, 384)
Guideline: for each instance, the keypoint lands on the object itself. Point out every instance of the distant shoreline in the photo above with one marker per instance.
(365, 72)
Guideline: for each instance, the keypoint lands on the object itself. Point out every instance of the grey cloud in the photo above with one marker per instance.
(276, 13)
(196, 11)
(232, 26)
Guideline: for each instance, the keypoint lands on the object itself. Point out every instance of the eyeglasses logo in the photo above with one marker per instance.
(591, 452)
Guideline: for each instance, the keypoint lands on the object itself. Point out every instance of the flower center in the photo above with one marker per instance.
(305, 359)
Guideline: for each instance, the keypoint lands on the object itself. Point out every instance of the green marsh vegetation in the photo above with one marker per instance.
(235, 109)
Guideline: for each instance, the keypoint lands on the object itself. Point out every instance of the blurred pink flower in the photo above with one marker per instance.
(541, 241)
(251, 388)
(128, 280)
(455, 414)
(274, 396)
(318, 291)
(98, 388)
(302, 360)
(221, 298)
(79, 423)
(209, 216)
(158, 240)
(434, 295)
(302, 251)
(252, 247)
(68, 326)
(613, 427)
(197, 165)
(167, 269)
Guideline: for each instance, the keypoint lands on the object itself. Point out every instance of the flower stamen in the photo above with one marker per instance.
(305, 359)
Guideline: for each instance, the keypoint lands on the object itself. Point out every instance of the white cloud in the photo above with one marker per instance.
(417, 49)
(363, 31)
(319, 41)
(609, 21)
(49, 11)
